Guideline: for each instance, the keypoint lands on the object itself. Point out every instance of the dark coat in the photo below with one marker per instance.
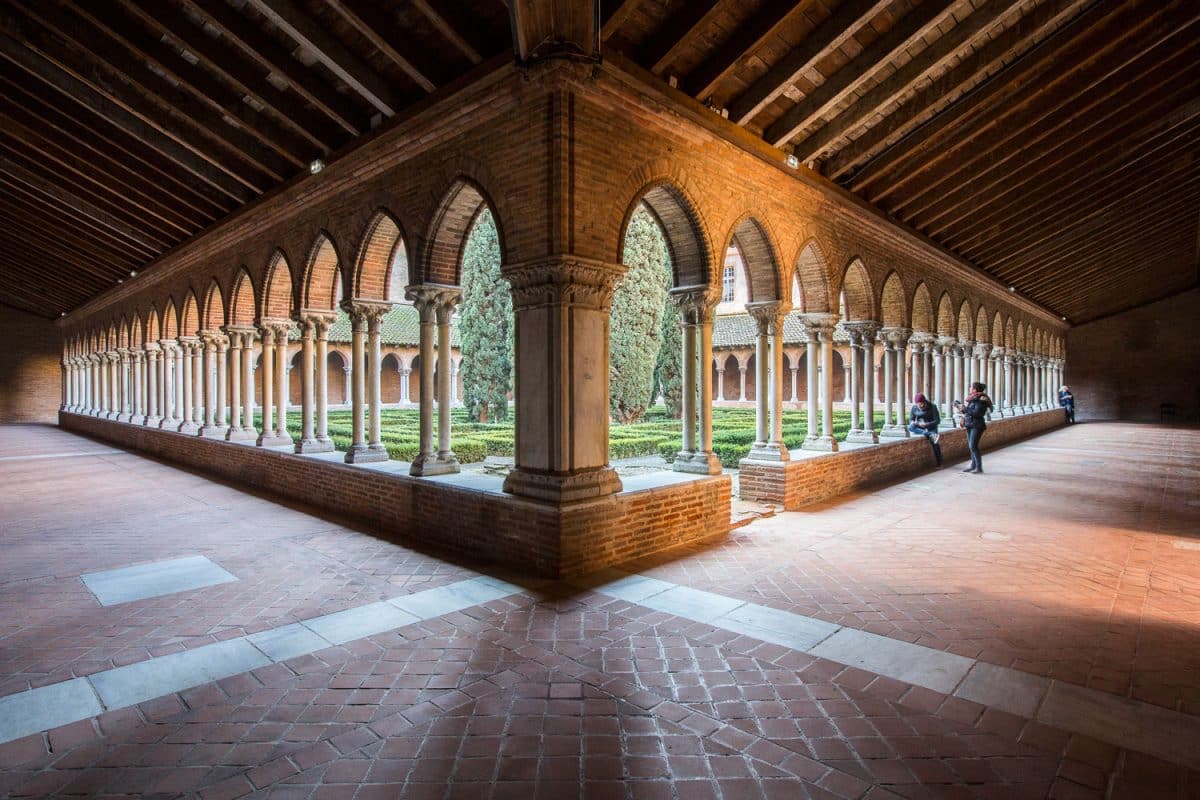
(930, 414)
(975, 411)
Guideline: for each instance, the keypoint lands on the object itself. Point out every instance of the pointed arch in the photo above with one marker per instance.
(761, 265)
(242, 304)
(123, 333)
(214, 307)
(857, 293)
(891, 302)
(812, 278)
(170, 322)
(277, 288)
(137, 329)
(1010, 334)
(110, 339)
(945, 316)
(982, 331)
(381, 270)
(189, 316)
(452, 224)
(321, 284)
(966, 322)
(922, 310)
(1022, 345)
(152, 324)
(691, 261)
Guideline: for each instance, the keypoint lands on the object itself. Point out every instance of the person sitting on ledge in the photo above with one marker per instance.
(1067, 401)
(923, 420)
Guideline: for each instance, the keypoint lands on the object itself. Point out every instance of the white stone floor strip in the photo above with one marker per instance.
(65, 455)
(155, 579)
(1160, 732)
(47, 707)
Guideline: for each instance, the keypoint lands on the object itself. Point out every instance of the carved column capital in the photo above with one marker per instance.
(563, 280)
(982, 349)
(769, 315)
(862, 332)
(434, 300)
(696, 304)
(317, 321)
(818, 325)
(896, 336)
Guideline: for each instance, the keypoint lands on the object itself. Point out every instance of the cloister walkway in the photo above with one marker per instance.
(1027, 633)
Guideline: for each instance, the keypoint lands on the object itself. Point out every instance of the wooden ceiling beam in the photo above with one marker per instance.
(1074, 45)
(753, 32)
(30, 220)
(84, 207)
(96, 101)
(614, 13)
(225, 59)
(35, 241)
(372, 23)
(831, 34)
(541, 29)
(26, 302)
(349, 68)
(437, 18)
(676, 34)
(1021, 127)
(921, 108)
(34, 114)
(261, 48)
(911, 28)
(121, 196)
(1084, 157)
(947, 46)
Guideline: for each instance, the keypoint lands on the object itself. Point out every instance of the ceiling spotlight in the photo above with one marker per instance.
(793, 162)
(62, 313)
(1064, 319)
(132, 273)
(315, 166)
(1012, 288)
(120, 280)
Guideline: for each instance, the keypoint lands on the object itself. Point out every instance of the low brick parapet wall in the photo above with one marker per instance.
(532, 537)
(795, 484)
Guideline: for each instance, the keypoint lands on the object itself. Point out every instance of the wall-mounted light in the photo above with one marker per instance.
(793, 162)
(315, 166)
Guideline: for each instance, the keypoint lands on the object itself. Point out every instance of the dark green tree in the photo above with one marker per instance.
(668, 372)
(485, 325)
(637, 313)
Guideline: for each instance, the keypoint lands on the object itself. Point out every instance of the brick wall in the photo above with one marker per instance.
(30, 367)
(1127, 366)
(811, 480)
(529, 536)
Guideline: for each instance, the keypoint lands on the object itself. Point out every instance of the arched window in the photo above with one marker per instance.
(728, 284)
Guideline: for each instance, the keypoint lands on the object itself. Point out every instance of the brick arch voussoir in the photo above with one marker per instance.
(369, 276)
(760, 251)
(820, 282)
(212, 308)
(893, 300)
(861, 300)
(922, 313)
(278, 267)
(319, 296)
(639, 182)
(454, 174)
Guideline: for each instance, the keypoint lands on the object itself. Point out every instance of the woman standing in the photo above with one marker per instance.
(975, 410)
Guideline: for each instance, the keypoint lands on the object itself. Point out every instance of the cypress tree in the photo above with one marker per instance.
(485, 325)
(668, 371)
(637, 313)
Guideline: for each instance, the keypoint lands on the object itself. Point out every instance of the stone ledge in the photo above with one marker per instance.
(530, 536)
(795, 484)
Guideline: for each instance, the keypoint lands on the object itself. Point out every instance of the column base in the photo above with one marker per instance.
(894, 432)
(582, 485)
(427, 465)
(168, 424)
(361, 454)
(136, 419)
(314, 446)
(241, 435)
(825, 444)
(769, 451)
(214, 431)
(188, 427)
(698, 463)
(152, 422)
(124, 417)
(862, 437)
(271, 440)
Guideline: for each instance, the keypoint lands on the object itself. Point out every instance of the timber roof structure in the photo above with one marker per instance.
(1051, 143)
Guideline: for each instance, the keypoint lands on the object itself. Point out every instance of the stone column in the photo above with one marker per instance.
(124, 379)
(348, 385)
(864, 333)
(795, 380)
(561, 305)
(898, 342)
(235, 384)
(687, 377)
(248, 432)
(427, 299)
(889, 381)
(308, 435)
(222, 345)
(982, 351)
(819, 330)
(704, 460)
(183, 385)
(137, 358)
(208, 350)
(846, 382)
(445, 373)
(768, 444)
(267, 360)
(357, 383)
(321, 323)
(927, 366)
(162, 383)
(405, 394)
(721, 384)
(453, 382)
(742, 389)
(282, 367)
(198, 381)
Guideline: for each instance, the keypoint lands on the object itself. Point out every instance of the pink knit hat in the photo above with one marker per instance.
(920, 398)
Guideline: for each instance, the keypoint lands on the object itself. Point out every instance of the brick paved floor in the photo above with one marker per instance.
(1065, 560)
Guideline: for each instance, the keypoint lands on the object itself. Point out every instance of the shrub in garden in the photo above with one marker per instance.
(637, 311)
(485, 325)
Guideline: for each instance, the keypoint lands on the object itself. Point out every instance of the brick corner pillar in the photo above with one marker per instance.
(561, 306)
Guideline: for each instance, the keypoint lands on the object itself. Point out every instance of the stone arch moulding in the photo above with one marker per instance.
(214, 307)
(278, 288)
(456, 215)
(382, 242)
(321, 283)
(891, 302)
(242, 305)
(856, 288)
(754, 241)
(670, 196)
(922, 310)
(811, 268)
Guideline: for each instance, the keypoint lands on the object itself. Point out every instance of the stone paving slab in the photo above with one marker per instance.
(47, 707)
(146, 680)
(152, 580)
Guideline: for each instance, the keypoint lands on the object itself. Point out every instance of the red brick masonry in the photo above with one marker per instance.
(530, 536)
(811, 480)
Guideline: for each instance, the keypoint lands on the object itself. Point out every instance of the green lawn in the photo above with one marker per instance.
(733, 433)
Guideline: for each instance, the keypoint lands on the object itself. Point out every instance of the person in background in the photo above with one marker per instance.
(975, 410)
(1067, 401)
(923, 420)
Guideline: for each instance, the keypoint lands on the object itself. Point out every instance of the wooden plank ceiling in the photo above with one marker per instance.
(1052, 143)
